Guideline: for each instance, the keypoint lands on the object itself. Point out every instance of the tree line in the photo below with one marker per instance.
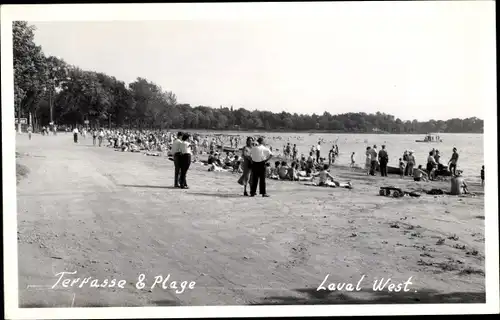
(81, 96)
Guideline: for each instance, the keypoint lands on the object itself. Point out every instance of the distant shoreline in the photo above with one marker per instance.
(317, 132)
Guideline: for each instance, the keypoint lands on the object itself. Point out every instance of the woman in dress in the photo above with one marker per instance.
(247, 162)
(368, 161)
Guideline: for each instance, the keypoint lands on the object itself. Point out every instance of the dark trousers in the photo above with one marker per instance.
(184, 163)
(258, 177)
(177, 166)
(373, 167)
(94, 140)
(75, 137)
(383, 168)
(317, 155)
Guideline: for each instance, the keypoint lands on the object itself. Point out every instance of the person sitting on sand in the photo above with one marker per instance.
(327, 180)
(283, 171)
(211, 157)
(464, 186)
(419, 174)
(293, 173)
(302, 163)
(268, 170)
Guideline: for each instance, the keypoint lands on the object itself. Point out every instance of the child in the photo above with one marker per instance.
(401, 168)
(482, 177)
(268, 170)
(419, 174)
(353, 161)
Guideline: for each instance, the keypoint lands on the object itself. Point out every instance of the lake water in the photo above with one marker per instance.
(470, 147)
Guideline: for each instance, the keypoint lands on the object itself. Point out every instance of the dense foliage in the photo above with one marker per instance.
(78, 95)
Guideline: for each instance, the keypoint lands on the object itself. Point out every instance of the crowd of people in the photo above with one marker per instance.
(252, 160)
(407, 164)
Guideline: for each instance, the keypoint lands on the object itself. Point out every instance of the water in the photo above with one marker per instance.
(469, 146)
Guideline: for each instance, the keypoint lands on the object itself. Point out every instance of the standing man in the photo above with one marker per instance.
(411, 163)
(75, 135)
(373, 163)
(295, 151)
(452, 164)
(260, 154)
(176, 152)
(318, 151)
(383, 159)
(30, 130)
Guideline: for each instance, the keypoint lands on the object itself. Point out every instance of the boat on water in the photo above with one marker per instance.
(431, 138)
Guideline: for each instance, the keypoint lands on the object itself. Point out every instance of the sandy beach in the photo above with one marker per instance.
(115, 215)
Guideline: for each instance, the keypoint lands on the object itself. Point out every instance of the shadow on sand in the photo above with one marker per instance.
(146, 186)
(217, 195)
(311, 296)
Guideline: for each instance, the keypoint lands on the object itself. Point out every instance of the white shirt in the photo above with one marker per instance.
(318, 147)
(184, 147)
(260, 153)
(75, 130)
(176, 146)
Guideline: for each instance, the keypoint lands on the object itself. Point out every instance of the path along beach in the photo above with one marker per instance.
(108, 214)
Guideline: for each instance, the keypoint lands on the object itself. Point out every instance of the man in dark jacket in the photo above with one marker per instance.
(383, 159)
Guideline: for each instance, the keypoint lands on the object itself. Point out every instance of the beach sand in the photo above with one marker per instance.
(108, 214)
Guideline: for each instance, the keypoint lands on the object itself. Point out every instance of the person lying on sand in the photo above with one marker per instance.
(214, 167)
(134, 148)
(419, 174)
(327, 180)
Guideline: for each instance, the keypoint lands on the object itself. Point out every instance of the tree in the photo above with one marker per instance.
(30, 68)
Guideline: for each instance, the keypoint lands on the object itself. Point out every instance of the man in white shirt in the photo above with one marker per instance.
(260, 154)
(318, 151)
(75, 135)
(176, 153)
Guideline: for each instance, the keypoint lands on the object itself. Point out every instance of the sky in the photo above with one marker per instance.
(414, 62)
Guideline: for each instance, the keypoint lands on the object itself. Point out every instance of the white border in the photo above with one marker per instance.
(233, 11)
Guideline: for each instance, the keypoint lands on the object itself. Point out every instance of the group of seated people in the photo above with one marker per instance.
(295, 172)
(137, 143)
(230, 162)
